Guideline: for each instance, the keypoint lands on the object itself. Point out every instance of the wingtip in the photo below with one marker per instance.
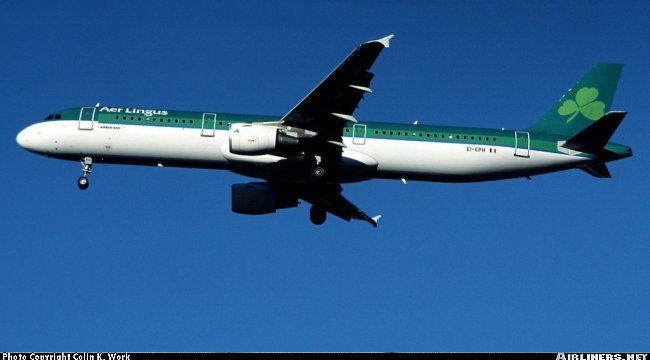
(385, 40)
(375, 220)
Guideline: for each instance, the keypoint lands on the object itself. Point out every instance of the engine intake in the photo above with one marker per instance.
(257, 139)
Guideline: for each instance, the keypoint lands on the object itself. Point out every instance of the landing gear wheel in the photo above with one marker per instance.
(318, 172)
(87, 163)
(317, 215)
(83, 183)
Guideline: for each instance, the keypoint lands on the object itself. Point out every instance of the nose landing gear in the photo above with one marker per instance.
(83, 182)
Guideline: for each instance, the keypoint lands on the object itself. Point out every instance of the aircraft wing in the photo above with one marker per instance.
(328, 197)
(328, 107)
(267, 197)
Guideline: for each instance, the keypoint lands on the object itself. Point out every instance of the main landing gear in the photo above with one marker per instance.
(317, 215)
(317, 172)
(82, 182)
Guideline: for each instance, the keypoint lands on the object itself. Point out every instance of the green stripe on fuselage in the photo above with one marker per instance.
(374, 130)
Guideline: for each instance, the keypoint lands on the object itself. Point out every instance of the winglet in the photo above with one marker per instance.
(371, 220)
(384, 41)
(375, 219)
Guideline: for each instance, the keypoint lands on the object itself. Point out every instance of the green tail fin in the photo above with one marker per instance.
(589, 100)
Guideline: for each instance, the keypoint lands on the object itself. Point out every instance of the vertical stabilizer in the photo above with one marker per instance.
(589, 100)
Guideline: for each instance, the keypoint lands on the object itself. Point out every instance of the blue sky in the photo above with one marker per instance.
(152, 259)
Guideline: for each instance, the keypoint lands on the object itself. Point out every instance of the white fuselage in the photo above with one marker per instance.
(394, 159)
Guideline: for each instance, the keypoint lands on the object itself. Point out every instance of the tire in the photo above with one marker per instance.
(317, 215)
(83, 183)
(318, 172)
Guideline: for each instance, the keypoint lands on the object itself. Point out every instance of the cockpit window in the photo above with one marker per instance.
(53, 117)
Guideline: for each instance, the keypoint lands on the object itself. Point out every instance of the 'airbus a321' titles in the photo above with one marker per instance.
(317, 146)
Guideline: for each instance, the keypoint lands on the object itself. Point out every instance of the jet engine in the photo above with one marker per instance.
(260, 198)
(257, 139)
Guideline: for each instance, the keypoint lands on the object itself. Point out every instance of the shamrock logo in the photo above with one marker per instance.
(585, 104)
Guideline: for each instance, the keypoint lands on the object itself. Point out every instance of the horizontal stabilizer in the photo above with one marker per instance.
(594, 137)
(598, 170)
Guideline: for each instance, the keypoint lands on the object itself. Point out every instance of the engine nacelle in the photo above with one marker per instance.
(257, 139)
(259, 198)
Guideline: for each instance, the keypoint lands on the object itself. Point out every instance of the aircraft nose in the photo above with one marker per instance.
(31, 139)
(23, 138)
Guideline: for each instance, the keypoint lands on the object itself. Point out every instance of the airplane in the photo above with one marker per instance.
(317, 146)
